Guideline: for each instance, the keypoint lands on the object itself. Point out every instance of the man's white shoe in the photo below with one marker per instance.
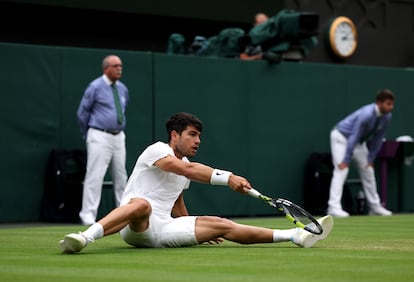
(305, 239)
(379, 210)
(337, 212)
(73, 243)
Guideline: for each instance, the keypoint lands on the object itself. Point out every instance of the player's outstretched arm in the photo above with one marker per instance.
(192, 170)
(204, 174)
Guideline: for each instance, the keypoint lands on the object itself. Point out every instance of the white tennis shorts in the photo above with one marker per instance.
(163, 233)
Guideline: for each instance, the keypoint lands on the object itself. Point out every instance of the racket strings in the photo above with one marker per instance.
(300, 216)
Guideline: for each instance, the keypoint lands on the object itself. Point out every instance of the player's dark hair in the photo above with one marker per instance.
(179, 122)
(385, 94)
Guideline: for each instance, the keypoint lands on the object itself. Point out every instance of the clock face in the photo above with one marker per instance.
(343, 37)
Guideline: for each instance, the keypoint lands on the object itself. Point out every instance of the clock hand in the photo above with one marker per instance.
(345, 37)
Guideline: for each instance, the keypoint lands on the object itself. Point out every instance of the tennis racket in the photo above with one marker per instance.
(292, 212)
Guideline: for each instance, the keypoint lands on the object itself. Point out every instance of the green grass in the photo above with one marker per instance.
(360, 248)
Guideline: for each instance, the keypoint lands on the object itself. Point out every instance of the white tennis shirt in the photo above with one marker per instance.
(161, 189)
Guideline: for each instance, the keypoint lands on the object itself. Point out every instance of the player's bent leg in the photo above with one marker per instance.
(136, 213)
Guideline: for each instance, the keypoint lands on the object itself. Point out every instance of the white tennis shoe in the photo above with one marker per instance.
(73, 243)
(337, 212)
(305, 239)
(379, 210)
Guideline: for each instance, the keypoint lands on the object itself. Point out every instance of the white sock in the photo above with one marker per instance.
(95, 231)
(284, 235)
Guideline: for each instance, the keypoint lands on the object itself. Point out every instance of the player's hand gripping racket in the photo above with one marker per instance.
(292, 212)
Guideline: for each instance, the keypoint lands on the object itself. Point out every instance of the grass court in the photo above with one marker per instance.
(360, 248)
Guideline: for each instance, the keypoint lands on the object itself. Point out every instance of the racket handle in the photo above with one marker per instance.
(254, 193)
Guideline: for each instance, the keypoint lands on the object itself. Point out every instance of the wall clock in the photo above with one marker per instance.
(342, 37)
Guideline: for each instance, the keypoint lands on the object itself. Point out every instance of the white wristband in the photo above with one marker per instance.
(220, 177)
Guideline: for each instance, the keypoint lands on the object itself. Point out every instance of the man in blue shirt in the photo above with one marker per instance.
(349, 142)
(101, 116)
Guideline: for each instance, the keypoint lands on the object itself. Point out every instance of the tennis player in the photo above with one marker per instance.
(153, 213)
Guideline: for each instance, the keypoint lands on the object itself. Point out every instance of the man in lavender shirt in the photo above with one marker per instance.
(101, 117)
(349, 141)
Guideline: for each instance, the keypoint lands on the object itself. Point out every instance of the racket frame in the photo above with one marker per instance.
(279, 204)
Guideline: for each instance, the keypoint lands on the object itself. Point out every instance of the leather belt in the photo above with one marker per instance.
(107, 131)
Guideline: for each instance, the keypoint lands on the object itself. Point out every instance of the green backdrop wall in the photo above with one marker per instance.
(261, 120)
